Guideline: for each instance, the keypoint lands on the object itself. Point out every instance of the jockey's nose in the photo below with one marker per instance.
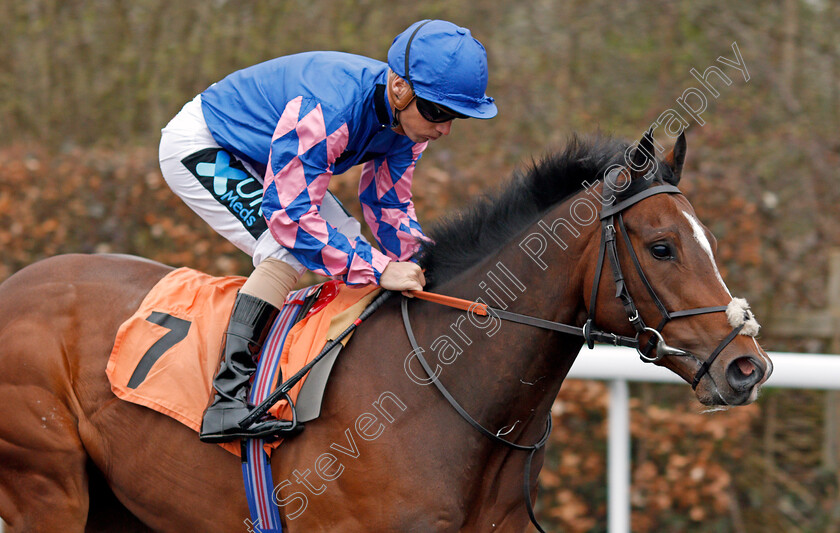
(444, 127)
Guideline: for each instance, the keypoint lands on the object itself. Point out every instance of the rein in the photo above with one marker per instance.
(532, 449)
(611, 214)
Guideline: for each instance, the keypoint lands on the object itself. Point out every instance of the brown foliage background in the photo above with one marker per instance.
(85, 87)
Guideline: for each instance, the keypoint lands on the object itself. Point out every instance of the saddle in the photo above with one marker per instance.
(166, 354)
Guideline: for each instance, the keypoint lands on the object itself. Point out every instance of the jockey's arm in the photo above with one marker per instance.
(295, 185)
(385, 194)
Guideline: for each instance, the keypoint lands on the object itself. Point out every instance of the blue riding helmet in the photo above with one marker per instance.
(445, 64)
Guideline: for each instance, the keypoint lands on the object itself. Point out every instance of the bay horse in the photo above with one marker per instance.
(388, 453)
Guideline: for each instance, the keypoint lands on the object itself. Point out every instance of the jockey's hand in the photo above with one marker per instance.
(402, 276)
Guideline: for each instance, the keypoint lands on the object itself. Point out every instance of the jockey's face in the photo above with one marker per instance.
(411, 121)
(417, 128)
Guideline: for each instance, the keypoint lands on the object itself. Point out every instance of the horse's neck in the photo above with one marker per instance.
(513, 371)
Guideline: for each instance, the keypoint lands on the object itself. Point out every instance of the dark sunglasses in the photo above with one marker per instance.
(436, 113)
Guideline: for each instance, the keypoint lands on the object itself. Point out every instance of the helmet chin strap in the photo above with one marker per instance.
(403, 101)
(395, 123)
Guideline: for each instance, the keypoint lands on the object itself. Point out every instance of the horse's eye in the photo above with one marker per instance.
(661, 251)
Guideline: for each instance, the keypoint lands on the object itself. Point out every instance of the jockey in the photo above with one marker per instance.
(253, 156)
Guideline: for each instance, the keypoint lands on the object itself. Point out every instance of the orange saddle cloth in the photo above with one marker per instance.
(167, 353)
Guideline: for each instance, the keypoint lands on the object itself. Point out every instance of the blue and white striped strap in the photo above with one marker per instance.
(256, 467)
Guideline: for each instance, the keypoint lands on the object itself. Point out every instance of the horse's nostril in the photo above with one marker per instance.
(745, 366)
(743, 373)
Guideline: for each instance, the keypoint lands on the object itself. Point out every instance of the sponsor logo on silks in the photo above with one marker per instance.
(230, 183)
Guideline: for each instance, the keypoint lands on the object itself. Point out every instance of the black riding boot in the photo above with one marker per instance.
(250, 323)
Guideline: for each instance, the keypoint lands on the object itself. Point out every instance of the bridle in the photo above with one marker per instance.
(610, 215)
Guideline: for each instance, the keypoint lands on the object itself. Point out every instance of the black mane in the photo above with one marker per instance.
(466, 237)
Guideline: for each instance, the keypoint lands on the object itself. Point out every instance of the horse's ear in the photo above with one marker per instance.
(643, 156)
(676, 157)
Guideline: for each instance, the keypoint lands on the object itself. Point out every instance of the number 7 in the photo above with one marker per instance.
(178, 329)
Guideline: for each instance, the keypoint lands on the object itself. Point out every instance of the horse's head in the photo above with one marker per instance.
(657, 258)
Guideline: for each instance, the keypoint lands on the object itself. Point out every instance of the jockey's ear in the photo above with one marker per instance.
(399, 92)
(676, 157)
